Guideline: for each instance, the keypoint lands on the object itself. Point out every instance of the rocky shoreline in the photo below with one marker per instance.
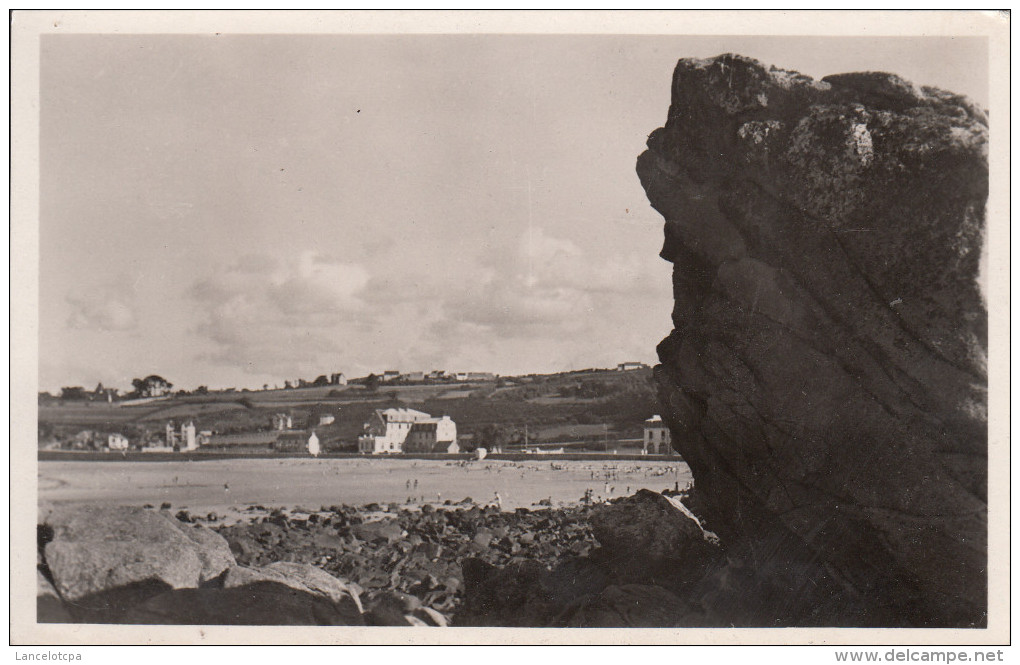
(463, 564)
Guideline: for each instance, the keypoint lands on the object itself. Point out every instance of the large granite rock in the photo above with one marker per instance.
(262, 603)
(826, 376)
(303, 577)
(93, 550)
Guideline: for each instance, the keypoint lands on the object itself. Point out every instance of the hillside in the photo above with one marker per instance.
(591, 404)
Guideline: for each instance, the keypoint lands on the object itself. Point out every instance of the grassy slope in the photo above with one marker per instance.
(555, 407)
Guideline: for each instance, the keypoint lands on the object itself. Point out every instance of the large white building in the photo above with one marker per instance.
(657, 437)
(388, 430)
(435, 435)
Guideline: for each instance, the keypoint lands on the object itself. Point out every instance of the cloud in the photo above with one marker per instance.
(273, 317)
(108, 309)
(548, 286)
(539, 302)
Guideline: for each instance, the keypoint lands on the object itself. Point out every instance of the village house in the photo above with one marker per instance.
(413, 376)
(656, 438)
(116, 441)
(188, 439)
(244, 442)
(282, 422)
(337, 379)
(326, 419)
(388, 429)
(390, 375)
(184, 441)
(434, 435)
(293, 442)
(437, 375)
(626, 367)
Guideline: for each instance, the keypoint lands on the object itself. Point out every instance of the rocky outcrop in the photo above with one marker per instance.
(825, 379)
(303, 577)
(93, 548)
(653, 552)
(120, 564)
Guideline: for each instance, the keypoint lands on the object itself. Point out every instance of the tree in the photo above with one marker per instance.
(151, 386)
(321, 380)
(72, 392)
(202, 390)
(492, 436)
(372, 383)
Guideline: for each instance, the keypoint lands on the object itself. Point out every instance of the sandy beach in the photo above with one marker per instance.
(220, 485)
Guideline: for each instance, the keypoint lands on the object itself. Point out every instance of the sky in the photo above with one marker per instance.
(237, 211)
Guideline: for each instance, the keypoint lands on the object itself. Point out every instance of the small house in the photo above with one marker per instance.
(656, 437)
(295, 442)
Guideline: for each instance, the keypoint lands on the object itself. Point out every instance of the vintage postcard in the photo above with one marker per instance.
(510, 328)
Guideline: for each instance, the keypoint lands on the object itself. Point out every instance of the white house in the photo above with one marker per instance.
(282, 422)
(434, 435)
(387, 429)
(657, 438)
(326, 419)
(188, 440)
(117, 442)
(626, 367)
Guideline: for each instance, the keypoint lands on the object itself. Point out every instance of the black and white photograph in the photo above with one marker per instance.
(518, 322)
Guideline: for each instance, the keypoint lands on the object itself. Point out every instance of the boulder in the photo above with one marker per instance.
(94, 549)
(302, 577)
(646, 525)
(826, 376)
(213, 549)
(319, 581)
(392, 608)
(382, 531)
(256, 604)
